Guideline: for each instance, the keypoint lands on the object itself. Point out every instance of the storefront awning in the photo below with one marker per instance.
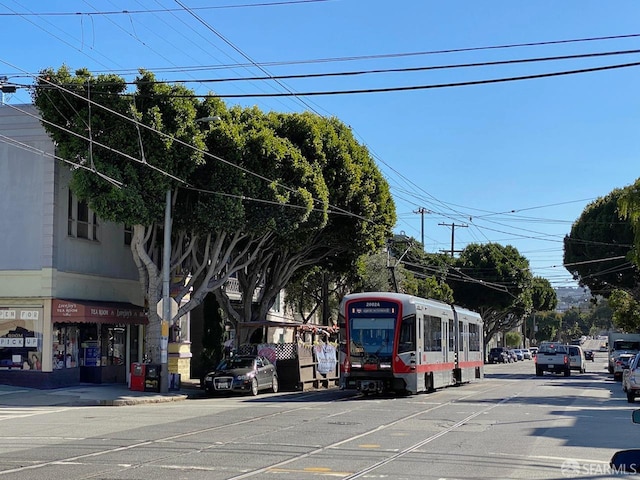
(85, 311)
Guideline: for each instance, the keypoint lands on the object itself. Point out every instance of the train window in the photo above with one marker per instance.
(452, 336)
(432, 334)
(474, 337)
(407, 335)
(461, 345)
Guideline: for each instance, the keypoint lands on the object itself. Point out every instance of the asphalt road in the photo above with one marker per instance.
(511, 425)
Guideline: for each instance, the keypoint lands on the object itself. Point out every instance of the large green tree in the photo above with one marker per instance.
(629, 208)
(494, 280)
(345, 206)
(598, 250)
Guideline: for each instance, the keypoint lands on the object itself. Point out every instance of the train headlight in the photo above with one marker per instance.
(356, 365)
(385, 365)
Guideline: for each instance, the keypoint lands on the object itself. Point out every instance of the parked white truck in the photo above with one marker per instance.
(552, 357)
(620, 343)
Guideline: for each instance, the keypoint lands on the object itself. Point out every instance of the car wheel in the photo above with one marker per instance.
(274, 384)
(630, 397)
(254, 386)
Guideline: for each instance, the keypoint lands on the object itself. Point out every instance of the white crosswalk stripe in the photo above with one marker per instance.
(8, 413)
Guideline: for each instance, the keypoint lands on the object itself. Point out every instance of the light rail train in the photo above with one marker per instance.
(393, 342)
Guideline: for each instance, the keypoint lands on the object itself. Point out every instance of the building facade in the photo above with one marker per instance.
(71, 307)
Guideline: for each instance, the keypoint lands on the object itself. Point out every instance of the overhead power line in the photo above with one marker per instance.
(390, 70)
(419, 87)
(161, 10)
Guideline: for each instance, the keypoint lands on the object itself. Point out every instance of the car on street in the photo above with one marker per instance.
(526, 354)
(621, 363)
(589, 355)
(631, 379)
(243, 374)
(499, 355)
(577, 360)
(518, 354)
(554, 358)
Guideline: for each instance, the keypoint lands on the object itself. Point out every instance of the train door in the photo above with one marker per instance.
(420, 360)
(444, 340)
(420, 338)
(463, 340)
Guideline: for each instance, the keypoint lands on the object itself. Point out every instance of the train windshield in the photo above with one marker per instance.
(371, 337)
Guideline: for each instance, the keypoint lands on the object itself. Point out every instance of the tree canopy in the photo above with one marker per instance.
(495, 281)
(257, 195)
(599, 248)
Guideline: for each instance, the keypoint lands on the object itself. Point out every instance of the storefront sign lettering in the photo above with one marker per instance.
(99, 312)
(66, 309)
(29, 315)
(7, 314)
(12, 342)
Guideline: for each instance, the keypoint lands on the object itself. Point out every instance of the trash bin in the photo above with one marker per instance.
(152, 377)
(137, 377)
(174, 381)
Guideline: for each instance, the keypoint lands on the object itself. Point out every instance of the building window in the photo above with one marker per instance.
(276, 304)
(82, 222)
(128, 234)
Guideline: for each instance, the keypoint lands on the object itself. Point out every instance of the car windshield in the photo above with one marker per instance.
(236, 362)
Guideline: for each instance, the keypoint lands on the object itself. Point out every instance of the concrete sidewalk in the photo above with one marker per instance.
(92, 395)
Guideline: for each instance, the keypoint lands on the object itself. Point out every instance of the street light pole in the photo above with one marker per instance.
(166, 306)
(166, 285)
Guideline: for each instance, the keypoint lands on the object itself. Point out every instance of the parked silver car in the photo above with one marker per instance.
(631, 379)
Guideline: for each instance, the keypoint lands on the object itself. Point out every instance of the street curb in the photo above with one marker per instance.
(126, 401)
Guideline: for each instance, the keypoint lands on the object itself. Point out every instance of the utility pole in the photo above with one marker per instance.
(453, 230)
(422, 211)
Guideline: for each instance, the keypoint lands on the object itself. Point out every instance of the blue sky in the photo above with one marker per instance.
(516, 162)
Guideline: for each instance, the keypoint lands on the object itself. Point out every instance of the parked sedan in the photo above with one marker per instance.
(621, 363)
(631, 379)
(243, 373)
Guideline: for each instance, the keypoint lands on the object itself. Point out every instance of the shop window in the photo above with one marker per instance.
(21, 338)
(66, 348)
(82, 221)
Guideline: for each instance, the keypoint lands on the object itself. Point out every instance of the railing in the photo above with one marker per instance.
(232, 288)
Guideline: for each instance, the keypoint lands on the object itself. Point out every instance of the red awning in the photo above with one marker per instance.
(86, 311)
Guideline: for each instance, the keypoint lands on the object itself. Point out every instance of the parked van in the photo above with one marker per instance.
(576, 358)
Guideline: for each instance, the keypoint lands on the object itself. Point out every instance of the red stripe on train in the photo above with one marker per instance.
(471, 363)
